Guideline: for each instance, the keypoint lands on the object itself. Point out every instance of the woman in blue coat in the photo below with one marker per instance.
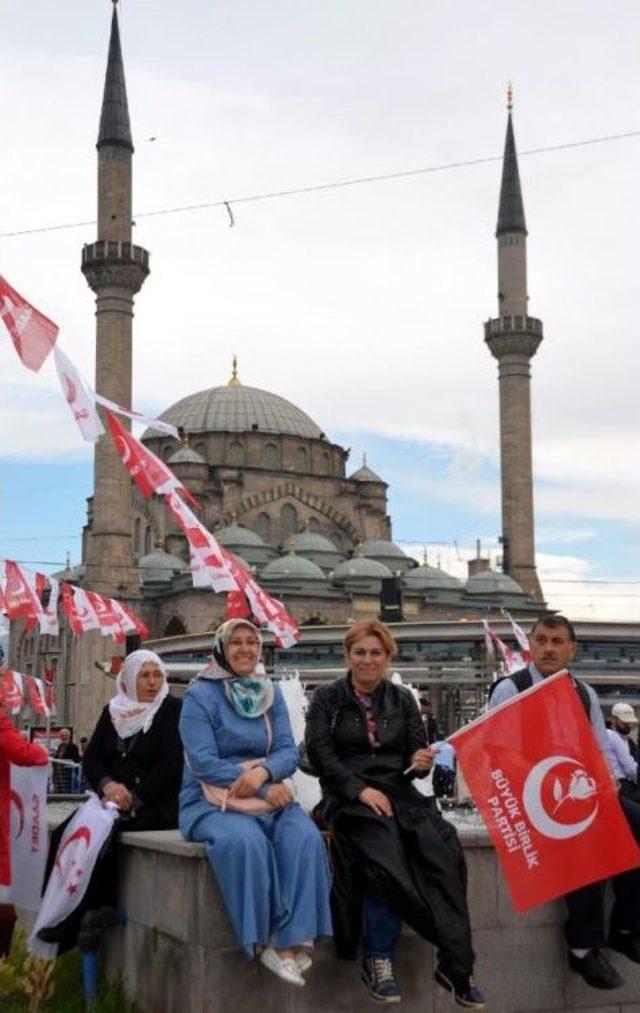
(265, 852)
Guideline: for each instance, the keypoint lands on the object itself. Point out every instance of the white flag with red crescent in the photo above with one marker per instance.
(28, 834)
(79, 397)
(33, 334)
(76, 856)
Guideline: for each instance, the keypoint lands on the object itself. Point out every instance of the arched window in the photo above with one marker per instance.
(325, 463)
(201, 448)
(235, 455)
(302, 459)
(175, 627)
(148, 541)
(314, 525)
(288, 521)
(271, 456)
(168, 451)
(137, 536)
(263, 527)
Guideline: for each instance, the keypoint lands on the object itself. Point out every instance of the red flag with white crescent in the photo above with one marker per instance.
(267, 611)
(78, 610)
(545, 791)
(33, 334)
(28, 834)
(21, 598)
(12, 691)
(130, 622)
(150, 474)
(521, 638)
(37, 697)
(208, 563)
(79, 397)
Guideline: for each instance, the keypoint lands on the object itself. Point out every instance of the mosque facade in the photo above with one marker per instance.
(274, 488)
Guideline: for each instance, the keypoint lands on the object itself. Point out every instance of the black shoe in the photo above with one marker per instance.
(595, 969)
(627, 943)
(378, 974)
(465, 991)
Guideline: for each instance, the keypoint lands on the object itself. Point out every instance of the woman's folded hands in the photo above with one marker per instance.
(249, 782)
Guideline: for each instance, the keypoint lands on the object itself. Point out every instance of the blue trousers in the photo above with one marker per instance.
(381, 929)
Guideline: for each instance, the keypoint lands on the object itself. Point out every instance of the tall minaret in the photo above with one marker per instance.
(115, 269)
(513, 338)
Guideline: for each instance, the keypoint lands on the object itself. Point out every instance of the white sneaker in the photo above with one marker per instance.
(303, 961)
(285, 969)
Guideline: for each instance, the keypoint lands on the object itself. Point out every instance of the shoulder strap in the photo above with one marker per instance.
(583, 693)
(521, 680)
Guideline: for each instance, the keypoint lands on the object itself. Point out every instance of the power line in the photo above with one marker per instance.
(335, 185)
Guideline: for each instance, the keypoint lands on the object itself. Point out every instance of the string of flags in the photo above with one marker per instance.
(24, 594)
(510, 659)
(16, 690)
(34, 336)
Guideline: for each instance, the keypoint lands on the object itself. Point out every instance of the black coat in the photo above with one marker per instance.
(338, 746)
(148, 764)
(412, 861)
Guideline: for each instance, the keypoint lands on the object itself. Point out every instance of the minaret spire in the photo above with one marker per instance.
(513, 338)
(115, 127)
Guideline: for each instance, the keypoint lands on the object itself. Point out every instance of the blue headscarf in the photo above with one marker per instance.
(249, 695)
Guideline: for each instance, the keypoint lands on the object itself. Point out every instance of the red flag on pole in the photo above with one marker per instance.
(150, 474)
(545, 792)
(33, 334)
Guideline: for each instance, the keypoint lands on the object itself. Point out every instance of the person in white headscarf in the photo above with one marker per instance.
(134, 759)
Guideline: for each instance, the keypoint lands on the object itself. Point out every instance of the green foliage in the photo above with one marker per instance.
(24, 985)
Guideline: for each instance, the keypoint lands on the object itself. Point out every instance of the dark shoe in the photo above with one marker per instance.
(378, 974)
(627, 943)
(596, 970)
(465, 991)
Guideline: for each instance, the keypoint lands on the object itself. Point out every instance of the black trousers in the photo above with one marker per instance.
(585, 924)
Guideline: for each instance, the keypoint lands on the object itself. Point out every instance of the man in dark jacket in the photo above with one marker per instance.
(63, 776)
(553, 646)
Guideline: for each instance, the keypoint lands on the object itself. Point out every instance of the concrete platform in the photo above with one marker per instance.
(177, 952)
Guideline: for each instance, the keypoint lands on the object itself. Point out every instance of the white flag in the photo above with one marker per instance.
(75, 859)
(79, 396)
(162, 427)
(29, 838)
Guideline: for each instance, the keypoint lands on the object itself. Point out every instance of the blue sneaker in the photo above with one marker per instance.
(378, 974)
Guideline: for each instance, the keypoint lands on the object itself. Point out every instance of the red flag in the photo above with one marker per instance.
(3, 599)
(513, 661)
(266, 610)
(129, 622)
(546, 794)
(12, 691)
(21, 598)
(150, 474)
(36, 695)
(207, 560)
(78, 610)
(50, 690)
(109, 622)
(237, 606)
(33, 334)
(522, 639)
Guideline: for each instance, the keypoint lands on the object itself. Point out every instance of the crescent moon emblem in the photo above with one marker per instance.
(532, 799)
(19, 804)
(124, 449)
(82, 833)
(71, 392)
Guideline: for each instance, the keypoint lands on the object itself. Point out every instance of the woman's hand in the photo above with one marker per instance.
(248, 783)
(422, 760)
(377, 801)
(113, 791)
(278, 795)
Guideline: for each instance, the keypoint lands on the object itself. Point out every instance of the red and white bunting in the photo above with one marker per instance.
(266, 610)
(208, 564)
(162, 427)
(3, 598)
(150, 474)
(521, 637)
(78, 610)
(513, 660)
(108, 620)
(21, 598)
(129, 621)
(11, 691)
(33, 334)
(49, 682)
(37, 697)
(79, 397)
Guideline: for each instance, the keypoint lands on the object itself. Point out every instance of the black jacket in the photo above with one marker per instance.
(149, 764)
(338, 745)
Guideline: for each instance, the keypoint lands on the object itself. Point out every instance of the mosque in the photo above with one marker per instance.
(276, 491)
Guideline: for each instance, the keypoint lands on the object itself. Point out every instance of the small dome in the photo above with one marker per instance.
(388, 553)
(492, 582)
(159, 567)
(431, 578)
(312, 541)
(365, 474)
(291, 567)
(186, 455)
(234, 534)
(358, 567)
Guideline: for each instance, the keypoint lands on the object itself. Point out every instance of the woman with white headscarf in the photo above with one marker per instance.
(267, 855)
(134, 759)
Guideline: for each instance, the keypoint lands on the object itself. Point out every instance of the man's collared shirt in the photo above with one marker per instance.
(506, 690)
(622, 762)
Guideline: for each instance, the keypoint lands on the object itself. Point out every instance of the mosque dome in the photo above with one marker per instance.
(160, 567)
(292, 567)
(360, 567)
(431, 578)
(388, 553)
(186, 455)
(365, 474)
(235, 408)
(245, 543)
(492, 582)
(316, 547)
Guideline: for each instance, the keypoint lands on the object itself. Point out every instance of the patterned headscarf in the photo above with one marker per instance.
(249, 695)
(130, 716)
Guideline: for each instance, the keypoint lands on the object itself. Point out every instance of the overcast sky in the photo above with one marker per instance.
(364, 305)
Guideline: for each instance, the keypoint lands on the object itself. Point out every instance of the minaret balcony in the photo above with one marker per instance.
(510, 323)
(111, 263)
